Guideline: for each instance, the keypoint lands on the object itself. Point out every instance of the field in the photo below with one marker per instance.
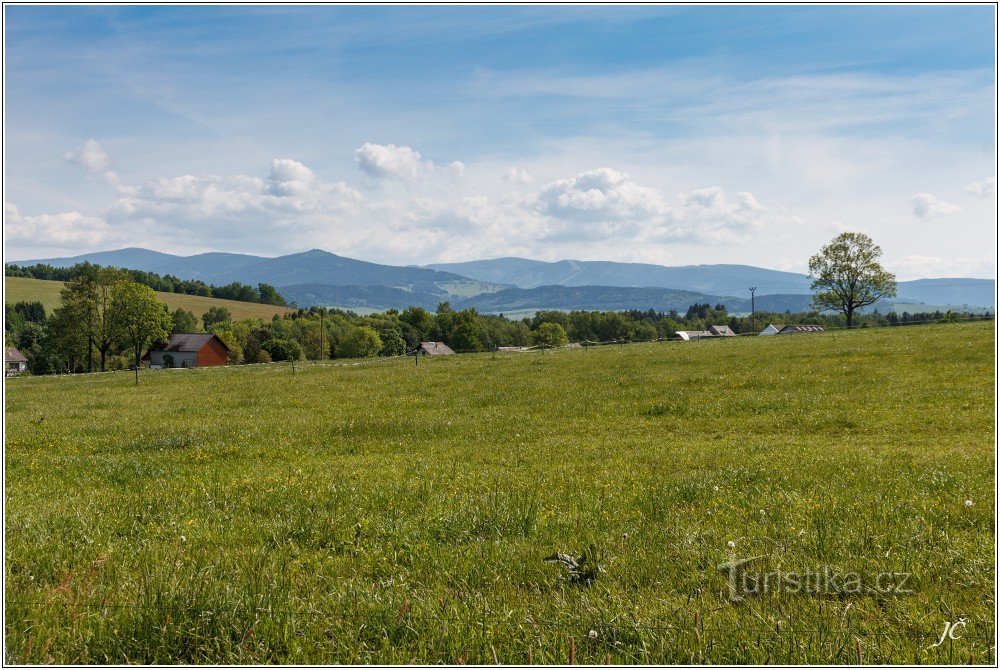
(378, 511)
(47, 292)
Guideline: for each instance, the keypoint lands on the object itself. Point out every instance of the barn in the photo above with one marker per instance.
(188, 350)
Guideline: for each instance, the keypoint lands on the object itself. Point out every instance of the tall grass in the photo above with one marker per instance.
(381, 512)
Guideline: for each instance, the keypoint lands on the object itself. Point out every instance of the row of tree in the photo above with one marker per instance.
(264, 293)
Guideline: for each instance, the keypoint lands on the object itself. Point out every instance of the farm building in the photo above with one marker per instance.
(14, 362)
(188, 350)
(433, 349)
(781, 329)
(713, 331)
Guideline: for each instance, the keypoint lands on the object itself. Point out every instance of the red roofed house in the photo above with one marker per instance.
(188, 350)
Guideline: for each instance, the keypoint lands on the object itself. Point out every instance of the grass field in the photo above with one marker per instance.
(47, 292)
(378, 511)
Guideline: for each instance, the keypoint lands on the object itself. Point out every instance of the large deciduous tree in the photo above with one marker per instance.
(137, 317)
(847, 276)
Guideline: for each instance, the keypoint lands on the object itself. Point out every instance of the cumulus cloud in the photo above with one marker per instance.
(420, 213)
(603, 203)
(928, 206)
(400, 162)
(982, 189)
(95, 163)
(517, 175)
(65, 230)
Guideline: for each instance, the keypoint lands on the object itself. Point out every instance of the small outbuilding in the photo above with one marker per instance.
(188, 350)
(772, 329)
(433, 349)
(14, 362)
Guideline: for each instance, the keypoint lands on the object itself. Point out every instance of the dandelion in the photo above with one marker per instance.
(715, 488)
(968, 503)
(731, 544)
(592, 634)
(763, 513)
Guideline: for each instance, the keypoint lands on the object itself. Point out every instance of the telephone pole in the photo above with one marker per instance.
(753, 310)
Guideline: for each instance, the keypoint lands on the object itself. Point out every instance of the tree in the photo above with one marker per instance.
(279, 349)
(87, 306)
(551, 335)
(216, 315)
(183, 321)
(137, 317)
(359, 342)
(847, 275)
(270, 296)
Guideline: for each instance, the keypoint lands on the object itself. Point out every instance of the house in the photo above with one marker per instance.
(800, 328)
(713, 331)
(772, 329)
(14, 362)
(188, 350)
(721, 331)
(433, 349)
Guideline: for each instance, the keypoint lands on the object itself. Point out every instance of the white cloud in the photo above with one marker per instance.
(68, 230)
(604, 203)
(400, 162)
(927, 206)
(517, 175)
(89, 156)
(983, 189)
(95, 162)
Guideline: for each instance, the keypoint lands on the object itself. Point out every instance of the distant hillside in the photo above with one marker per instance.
(710, 279)
(620, 298)
(319, 277)
(47, 292)
(713, 279)
(310, 267)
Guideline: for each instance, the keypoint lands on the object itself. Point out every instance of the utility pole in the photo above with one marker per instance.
(753, 310)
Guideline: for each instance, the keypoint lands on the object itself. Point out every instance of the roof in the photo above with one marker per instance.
(801, 328)
(694, 334)
(723, 331)
(776, 326)
(187, 342)
(435, 348)
(12, 355)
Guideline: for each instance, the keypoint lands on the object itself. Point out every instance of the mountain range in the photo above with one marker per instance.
(318, 277)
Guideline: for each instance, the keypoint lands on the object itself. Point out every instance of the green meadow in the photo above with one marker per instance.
(378, 511)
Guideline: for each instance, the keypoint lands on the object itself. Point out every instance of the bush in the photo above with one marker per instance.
(551, 334)
(283, 350)
(359, 342)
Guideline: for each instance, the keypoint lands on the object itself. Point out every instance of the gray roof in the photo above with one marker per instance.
(435, 348)
(12, 355)
(802, 328)
(187, 342)
(724, 331)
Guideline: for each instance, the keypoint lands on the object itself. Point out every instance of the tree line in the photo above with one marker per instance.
(264, 294)
(106, 321)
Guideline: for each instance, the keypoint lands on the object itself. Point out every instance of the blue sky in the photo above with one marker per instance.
(409, 135)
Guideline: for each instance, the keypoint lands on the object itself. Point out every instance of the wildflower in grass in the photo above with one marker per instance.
(592, 634)
(731, 544)
(968, 503)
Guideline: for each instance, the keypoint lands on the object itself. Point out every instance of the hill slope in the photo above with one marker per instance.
(47, 292)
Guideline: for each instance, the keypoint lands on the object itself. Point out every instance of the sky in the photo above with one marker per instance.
(412, 135)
